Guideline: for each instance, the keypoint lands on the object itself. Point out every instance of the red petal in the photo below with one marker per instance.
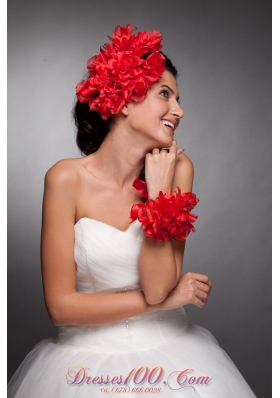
(141, 187)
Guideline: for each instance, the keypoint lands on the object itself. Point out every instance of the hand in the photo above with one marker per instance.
(192, 288)
(160, 169)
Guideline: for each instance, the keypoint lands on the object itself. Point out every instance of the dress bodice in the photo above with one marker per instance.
(106, 257)
(107, 262)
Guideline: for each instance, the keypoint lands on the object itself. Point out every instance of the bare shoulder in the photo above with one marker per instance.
(63, 173)
(185, 164)
(184, 173)
(62, 183)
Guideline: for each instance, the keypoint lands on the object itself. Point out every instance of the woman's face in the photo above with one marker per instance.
(158, 115)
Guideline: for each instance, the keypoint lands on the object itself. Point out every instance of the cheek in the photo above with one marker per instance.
(152, 111)
(146, 115)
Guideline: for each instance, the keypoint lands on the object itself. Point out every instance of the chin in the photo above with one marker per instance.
(166, 143)
(161, 142)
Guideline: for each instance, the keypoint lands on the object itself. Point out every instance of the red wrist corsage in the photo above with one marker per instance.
(167, 215)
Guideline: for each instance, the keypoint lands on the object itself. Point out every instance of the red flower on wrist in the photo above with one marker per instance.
(167, 215)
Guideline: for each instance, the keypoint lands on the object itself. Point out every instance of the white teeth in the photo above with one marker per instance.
(167, 123)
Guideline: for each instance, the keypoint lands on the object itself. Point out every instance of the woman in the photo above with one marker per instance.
(113, 237)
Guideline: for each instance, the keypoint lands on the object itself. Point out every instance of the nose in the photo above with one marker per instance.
(177, 111)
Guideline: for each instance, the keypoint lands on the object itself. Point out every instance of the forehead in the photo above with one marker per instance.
(169, 80)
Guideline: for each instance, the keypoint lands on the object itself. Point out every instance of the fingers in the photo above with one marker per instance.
(160, 167)
(173, 147)
(198, 287)
(200, 277)
(204, 287)
(192, 288)
(201, 299)
(179, 151)
(196, 296)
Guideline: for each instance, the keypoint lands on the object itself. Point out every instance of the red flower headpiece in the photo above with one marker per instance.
(118, 74)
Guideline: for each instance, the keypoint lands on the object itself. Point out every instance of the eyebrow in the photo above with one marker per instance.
(170, 89)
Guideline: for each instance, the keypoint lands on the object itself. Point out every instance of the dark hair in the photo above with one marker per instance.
(91, 128)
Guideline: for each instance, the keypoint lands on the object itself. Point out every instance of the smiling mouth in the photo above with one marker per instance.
(170, 126)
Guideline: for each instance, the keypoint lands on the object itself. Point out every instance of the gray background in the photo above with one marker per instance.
(223, 52)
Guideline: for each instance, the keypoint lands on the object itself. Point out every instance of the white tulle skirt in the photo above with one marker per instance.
(158, 354)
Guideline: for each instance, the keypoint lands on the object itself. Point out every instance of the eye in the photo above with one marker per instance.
(164, 93)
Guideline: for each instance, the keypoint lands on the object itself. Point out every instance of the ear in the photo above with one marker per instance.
(125, 110)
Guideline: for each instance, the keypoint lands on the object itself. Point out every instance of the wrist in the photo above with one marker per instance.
(166, 214)
(153, 194)
(153, 307)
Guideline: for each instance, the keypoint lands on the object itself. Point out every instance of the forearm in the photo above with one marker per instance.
(157, 269)
(97, 309)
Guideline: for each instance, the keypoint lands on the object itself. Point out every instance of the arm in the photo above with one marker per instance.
(160, 263)
(65, 305)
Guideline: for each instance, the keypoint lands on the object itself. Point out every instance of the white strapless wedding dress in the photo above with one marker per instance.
(157, 354)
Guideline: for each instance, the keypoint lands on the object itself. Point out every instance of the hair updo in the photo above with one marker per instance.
(91, 128)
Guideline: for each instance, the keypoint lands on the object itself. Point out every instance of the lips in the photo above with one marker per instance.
(171, 123)
(170, 129)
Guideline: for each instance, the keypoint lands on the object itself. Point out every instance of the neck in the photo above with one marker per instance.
(120, 157)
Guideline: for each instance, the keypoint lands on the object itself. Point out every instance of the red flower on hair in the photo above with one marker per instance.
(118, 74)
(167, 215)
